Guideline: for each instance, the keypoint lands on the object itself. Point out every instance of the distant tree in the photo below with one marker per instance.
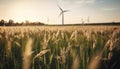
(2, 22)
(10, 22)
(22, 23)
(27, 22)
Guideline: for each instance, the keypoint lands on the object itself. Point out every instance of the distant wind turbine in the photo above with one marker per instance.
(48, 20)
(82, 21)
(88, 19)
(62, 13)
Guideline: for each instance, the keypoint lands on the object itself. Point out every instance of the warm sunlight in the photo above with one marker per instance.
(59, 34)
(47, 11)
(23, 11)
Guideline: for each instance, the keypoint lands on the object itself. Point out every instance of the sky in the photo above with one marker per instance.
(47, 11)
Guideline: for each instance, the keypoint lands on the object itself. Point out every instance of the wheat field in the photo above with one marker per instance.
(60, 47)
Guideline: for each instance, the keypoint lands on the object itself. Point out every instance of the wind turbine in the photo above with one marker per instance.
(88, 19)
(48, 20)
(62, 13)
(82, 21)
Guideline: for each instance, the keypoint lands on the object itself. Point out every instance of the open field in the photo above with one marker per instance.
(60, 47)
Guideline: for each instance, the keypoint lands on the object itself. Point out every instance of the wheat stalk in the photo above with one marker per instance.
(27, 55)
(41, 53)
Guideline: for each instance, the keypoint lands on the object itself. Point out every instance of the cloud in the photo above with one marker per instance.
(109, 9)
(75, 3)
(86, 1)
(79, 1)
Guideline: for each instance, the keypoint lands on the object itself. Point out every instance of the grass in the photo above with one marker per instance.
(54, 47)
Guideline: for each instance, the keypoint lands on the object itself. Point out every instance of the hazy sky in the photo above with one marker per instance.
(47, 10)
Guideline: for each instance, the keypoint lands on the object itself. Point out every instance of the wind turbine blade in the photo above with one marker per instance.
(60, 13)
(66, 10)
(60, 8)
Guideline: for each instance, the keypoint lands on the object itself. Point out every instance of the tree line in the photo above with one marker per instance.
(12, 23)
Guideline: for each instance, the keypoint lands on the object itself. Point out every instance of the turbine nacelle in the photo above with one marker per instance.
(62, 12)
